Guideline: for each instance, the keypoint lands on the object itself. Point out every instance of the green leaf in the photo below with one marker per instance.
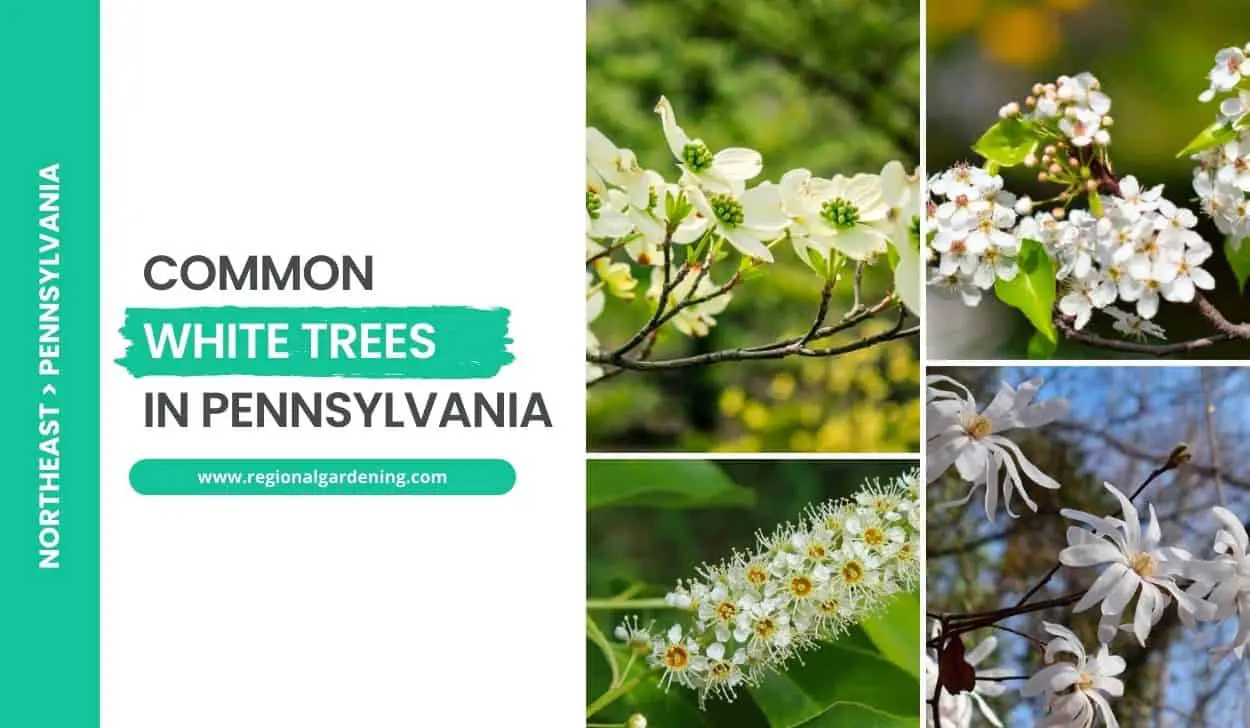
(1239, 260)
(894, 632)
(1008, 142)
(1095, 203)
(1032, 291)
(662, 484)
(891, 257)
(841, 686)
(1041, 347)
(1213, 136)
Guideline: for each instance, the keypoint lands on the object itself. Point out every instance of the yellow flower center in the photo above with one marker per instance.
(874, 536)
(726, 611)
(978, 427)
(1144, 564)
(853, 572)
(800, 587)
(676, 657)
(756, 575)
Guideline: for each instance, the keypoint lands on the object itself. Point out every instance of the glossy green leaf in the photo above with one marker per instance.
(894, 632)
(1032, 291)
(1211, 137)
(1239, 260)
(1041, 347)
(1008, 142)
(841, 686)
(662, 484)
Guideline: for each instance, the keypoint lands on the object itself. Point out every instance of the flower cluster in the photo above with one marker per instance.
(1075, 106)
(1139, 577)
(1222, 175)
(972, 440)
(636, 219)
(804, 584)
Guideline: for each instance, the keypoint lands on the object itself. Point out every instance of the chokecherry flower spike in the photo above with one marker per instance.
(804, 584)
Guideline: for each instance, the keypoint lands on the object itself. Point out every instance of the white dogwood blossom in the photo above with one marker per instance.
(972, 441)
(637, 222)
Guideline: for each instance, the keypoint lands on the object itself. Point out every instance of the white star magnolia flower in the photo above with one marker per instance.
(959, 435)
(1135, 565)
(1227, 581)
(804, 584)
(1076, 690)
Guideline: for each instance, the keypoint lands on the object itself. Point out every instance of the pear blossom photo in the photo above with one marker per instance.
(744, 594)
(1086, 548)
(753, 270)
(1091, 199)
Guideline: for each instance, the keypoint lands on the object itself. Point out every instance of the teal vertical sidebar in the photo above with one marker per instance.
(50, 488)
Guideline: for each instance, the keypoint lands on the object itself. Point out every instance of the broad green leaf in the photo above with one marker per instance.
(1008, 142)
(1211, 137)
(1238, 260)
(1032, 291)
(840, 686)
(1041, 347)
(895, 630)
(662, 484)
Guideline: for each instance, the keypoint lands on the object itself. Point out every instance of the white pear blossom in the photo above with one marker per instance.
(972, 440)
(1133, 326)
(1076, 689)
(1230, 67)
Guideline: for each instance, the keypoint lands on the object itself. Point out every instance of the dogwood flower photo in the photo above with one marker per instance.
(753, 593)
(752, 255)
(1086, 547)
(1103, 232)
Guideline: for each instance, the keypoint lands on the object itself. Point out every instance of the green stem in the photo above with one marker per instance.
(612, 695)
(627, 604)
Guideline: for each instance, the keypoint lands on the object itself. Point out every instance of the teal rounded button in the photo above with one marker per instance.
(322, 477)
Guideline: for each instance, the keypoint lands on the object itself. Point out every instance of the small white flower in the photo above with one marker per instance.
(747, 221)
(1230, 66)
(1076, 690)
(1134, 326)
(1226, 582)
(959, 435)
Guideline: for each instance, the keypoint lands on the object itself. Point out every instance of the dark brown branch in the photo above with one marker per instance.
(1133, 347)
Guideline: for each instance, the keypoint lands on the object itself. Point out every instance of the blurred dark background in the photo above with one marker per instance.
(1152, 58)
(830, 85)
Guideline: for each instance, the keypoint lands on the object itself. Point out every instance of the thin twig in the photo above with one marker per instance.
(1133, 347)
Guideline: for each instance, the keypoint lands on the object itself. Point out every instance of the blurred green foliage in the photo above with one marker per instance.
(1152, 58)
(645, 549)
(830, 85)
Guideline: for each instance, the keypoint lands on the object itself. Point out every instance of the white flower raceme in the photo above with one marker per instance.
(1135, 565)
(1075, 105)
(971, 440)
(1226, 582)
(1076, 689)
(804, 584)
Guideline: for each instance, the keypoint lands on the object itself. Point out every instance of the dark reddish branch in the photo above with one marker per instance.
(1100, 171)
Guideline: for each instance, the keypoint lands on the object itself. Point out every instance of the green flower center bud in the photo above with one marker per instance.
(840, 213)
(593, 204)
(913, 232)
(697, 156)
(727, 210)
(653, 198)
